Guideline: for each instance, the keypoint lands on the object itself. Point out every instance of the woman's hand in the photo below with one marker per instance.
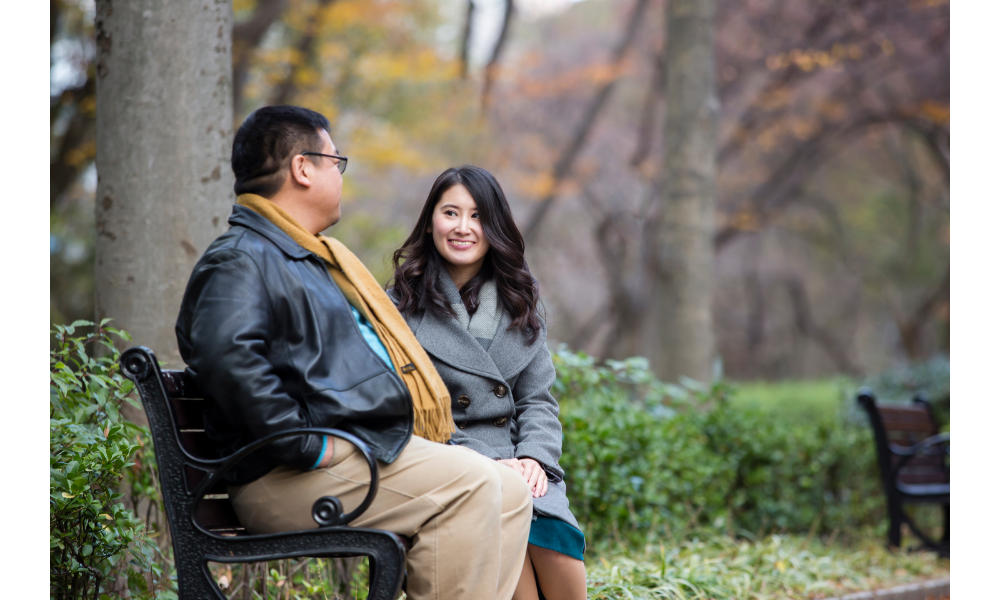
(513, 463)
(534, 474)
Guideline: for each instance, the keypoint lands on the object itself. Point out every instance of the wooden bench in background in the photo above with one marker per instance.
(913, 463)
(203, 524)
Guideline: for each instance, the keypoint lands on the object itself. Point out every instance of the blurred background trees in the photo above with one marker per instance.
(830, 227)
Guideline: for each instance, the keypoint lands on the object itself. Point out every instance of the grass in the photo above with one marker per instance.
(779, 567)
(798, 400)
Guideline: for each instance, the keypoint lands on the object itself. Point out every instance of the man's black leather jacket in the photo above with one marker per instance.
(273, 345)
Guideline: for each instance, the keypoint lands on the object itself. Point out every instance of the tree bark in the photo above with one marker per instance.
(164, 136)
(686, 275)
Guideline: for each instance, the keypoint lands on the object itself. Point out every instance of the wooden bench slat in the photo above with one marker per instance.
(197, 443)
(216, 513)
(922, 425)
(193, 477)
(189, 413)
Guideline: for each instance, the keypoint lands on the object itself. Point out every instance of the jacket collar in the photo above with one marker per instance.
(244, 217)
(446, 339)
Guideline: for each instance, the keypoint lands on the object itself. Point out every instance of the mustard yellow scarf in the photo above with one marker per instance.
(431, 400)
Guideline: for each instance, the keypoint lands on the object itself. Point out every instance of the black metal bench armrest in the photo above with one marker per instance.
(327, 511)
(908, 452)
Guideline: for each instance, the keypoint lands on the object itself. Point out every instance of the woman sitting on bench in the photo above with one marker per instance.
(463, 286)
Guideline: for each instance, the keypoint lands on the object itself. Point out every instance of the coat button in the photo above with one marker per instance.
(499, 421)
(464, 401)
(500, 390)
(461, 425)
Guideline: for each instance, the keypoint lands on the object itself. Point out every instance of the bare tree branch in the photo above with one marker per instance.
(911, 328)
(247, 36)
(564, 165)
(306, 48)
(809, 328)
(492, 66)
(463, 55)
(76, 149)
(647, 121)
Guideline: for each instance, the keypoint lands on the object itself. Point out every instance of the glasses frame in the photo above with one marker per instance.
(341, 160)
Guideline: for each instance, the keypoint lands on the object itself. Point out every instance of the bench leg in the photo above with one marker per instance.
(945, 515)
(195, 581)
(895, 525)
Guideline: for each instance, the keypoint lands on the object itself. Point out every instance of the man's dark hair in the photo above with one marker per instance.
(267, 141)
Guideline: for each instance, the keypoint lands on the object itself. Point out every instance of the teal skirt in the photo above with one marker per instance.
(557, 535)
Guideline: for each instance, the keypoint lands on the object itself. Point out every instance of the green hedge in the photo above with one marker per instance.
(98, 548)
(647, 460)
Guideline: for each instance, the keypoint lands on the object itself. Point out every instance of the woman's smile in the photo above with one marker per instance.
(458, 234)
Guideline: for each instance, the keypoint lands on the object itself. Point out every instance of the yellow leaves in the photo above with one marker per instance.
(81, 154)
(420, 66)
(780, 565)
(88, 105)
(379, 145)
(244, 5)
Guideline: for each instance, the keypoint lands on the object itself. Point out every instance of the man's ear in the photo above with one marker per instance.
(300, 172)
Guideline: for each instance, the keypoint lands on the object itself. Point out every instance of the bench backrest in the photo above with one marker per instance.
(904, 426)
(175, 409)
(187, 405)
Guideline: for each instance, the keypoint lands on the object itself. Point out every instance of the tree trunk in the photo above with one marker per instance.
(164, 136)
(686, 254)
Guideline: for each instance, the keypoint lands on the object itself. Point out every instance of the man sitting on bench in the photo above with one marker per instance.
(284, 328)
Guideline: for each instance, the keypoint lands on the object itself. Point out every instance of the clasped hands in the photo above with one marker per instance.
(533, 473)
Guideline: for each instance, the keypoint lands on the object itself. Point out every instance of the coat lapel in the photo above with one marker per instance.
(509, 351)
(446, 339)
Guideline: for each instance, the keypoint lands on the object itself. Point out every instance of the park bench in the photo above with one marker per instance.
(203, 524)
(913, 463)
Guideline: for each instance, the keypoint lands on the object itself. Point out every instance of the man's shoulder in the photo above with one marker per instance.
(243, 242)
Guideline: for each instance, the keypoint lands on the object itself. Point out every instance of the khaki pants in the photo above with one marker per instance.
(468, 515)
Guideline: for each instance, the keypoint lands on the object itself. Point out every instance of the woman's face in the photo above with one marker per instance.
(458, 234)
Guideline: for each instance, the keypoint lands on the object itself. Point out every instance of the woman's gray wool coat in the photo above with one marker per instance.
(500, 398)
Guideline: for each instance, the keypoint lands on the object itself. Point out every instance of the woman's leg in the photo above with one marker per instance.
(561, 577)
(526, 588)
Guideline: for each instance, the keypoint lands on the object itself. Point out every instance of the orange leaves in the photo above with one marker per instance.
(535, 185)
(586, 76)
(939, 114)
(809, 59)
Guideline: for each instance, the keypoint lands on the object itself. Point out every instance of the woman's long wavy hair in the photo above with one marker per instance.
(414, 280)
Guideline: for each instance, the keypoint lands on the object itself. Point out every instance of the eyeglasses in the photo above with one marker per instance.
(341, 160)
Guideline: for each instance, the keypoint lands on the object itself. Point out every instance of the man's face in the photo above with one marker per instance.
(329, 182)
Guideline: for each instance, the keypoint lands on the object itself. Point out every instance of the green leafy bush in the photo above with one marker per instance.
(646, 460)
(94, 540)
